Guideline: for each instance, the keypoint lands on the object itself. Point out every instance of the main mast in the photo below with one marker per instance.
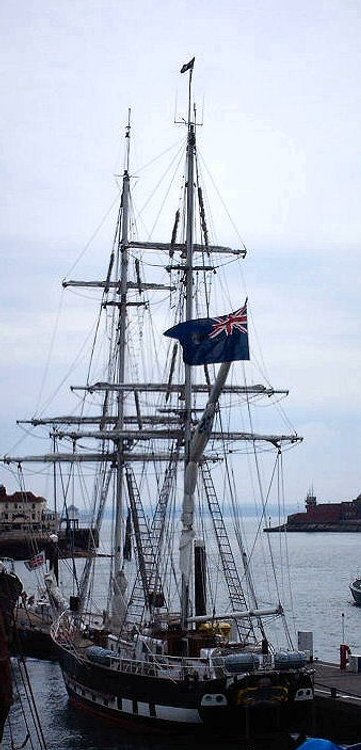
(195, 443)
(187, 515)
(123, 243)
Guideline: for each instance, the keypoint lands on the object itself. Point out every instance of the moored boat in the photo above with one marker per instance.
(355, 588)
(33, 617)
(10, 590)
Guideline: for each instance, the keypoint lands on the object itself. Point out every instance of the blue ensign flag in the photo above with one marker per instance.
(207, 340)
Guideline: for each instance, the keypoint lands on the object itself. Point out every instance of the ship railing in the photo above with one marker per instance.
(63, 629)
(162, 666)
(64, 632)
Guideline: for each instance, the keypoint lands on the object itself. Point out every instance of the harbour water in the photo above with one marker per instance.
(320, 568)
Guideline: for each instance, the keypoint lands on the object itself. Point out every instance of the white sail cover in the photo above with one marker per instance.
(198, 444)
(56, 598)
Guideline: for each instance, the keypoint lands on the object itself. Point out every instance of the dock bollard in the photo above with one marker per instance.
(344, 652)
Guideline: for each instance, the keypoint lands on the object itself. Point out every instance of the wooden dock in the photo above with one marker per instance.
(337, 713)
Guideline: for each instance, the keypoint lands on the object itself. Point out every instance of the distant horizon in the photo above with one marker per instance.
(246, 511)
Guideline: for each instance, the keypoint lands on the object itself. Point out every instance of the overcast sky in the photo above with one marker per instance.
(279, 85)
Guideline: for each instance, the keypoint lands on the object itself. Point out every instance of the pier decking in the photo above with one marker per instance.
(337, 712)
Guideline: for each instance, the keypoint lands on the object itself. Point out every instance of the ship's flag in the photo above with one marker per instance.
(36, 561)
(207, 340)
(188, 65)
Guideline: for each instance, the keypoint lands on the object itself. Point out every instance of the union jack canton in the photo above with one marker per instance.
(227, 323)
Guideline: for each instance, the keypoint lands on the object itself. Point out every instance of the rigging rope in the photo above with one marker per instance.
(31, 708)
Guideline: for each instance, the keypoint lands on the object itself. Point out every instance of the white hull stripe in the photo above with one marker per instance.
(174, 714)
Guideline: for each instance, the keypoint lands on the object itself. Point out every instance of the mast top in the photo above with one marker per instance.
(189, 67)
(127, 143)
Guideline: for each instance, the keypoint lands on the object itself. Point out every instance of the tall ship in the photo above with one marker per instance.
(185, 639)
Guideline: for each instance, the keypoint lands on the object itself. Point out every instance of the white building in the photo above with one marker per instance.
(24, 511)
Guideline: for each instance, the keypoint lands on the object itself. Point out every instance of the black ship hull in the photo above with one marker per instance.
(33, 642)
(241, 706)
(10, 589)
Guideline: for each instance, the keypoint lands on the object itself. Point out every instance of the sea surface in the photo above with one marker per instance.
(319, 567)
